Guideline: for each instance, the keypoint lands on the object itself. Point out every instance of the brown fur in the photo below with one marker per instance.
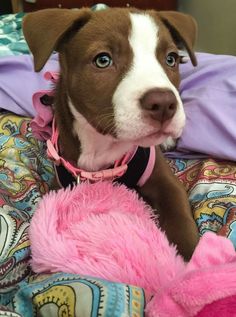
(78, 36)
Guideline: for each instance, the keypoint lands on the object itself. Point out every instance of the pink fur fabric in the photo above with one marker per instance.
(103, 231)
(106, 231)
(207, 283)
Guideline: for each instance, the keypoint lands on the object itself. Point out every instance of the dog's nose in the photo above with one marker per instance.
(160, 104)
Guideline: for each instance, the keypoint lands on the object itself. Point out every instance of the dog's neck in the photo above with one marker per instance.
(83, 145)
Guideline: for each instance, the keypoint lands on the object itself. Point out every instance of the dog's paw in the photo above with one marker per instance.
(169, 144)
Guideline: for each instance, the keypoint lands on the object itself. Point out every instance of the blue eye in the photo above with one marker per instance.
(103, 60)
(172, 59)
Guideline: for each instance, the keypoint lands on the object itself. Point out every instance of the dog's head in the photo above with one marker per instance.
(120, 67)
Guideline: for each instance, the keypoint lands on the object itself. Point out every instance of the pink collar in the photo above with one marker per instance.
(118, 170)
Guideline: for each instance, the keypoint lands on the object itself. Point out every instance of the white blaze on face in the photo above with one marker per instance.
(144, 74)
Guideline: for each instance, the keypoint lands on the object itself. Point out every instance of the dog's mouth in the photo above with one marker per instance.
(157, 137)
(153, 137)
(144, 132)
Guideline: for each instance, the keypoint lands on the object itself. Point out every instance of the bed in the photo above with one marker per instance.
(207, 172)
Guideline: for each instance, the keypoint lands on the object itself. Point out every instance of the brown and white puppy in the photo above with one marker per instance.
(118, 88)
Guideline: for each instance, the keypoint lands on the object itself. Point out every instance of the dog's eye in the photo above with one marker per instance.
(172, 59)
(103, 60)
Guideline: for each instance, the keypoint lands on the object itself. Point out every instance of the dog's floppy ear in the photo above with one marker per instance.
(44, 29)
(183, 29)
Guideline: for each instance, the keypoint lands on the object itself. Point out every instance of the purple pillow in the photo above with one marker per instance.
(208, 92)
(18, 83)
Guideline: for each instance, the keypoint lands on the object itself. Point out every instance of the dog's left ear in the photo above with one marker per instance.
(44, 30)
(183, 29)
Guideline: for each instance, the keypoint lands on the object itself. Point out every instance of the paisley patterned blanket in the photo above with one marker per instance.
(26, 174)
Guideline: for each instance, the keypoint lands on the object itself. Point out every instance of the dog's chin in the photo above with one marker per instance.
(151, 140)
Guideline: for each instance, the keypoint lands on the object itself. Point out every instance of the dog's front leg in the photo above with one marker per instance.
(167, 196)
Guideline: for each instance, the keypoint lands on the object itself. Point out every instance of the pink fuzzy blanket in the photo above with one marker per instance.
(106, 231)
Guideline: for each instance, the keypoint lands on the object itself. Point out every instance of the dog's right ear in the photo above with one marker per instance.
(183, 29)
(44, 29)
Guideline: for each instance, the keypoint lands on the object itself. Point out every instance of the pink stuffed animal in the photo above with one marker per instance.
(110, 233)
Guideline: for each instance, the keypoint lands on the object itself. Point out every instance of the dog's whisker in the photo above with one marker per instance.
(109, 128)
(109, 124)
(102, 117)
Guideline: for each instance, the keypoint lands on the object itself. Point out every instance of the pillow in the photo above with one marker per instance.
(208, 92)
(209, 96)
(19, 82)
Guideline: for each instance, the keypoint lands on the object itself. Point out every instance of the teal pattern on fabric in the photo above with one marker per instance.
(12, 40)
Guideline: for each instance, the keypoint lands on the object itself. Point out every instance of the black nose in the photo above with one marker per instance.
(160, 104)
